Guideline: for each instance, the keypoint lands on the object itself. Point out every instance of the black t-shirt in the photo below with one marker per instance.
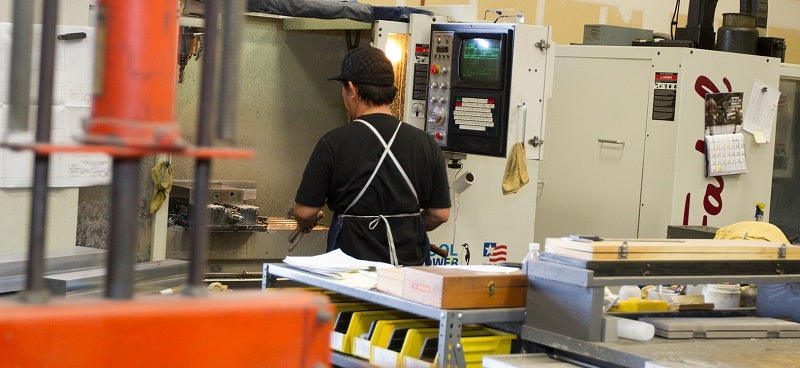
(341, 164)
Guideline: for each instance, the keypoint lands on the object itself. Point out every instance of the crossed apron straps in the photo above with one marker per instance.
(378, 218)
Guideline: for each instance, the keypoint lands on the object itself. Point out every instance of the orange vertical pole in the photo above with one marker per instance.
(136, 73)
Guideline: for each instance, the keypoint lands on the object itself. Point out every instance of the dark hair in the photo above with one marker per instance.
(375, 95)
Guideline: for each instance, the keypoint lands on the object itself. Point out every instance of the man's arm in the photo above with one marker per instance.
(433, 217)
(306, 216)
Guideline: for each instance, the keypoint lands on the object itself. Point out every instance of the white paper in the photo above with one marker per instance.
(333, 262)
(761, 111)
(725, 154)
(72, 100)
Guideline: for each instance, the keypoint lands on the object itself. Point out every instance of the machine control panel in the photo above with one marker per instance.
(438, 85)
(420, 82)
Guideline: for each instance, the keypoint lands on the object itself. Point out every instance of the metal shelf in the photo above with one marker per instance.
(450, 320)
(568, 316)
(586, 278)
(348, 361)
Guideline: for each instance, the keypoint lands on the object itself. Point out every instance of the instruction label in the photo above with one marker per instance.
(665, 90)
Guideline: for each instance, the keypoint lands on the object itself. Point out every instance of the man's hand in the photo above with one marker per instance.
(307, 217)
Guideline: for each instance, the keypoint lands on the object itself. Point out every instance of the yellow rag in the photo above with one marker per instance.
(162, 184)
(752, 230)
(516, 174)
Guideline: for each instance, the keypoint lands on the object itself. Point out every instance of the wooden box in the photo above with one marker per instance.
(390, 280)
(449, 287)
(671, 249)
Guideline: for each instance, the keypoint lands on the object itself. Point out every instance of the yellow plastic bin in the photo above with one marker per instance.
(362, 324)
(344, 313)
(420, 349)
(389, 336)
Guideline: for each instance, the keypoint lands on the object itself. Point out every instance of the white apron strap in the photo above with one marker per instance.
(383, 218)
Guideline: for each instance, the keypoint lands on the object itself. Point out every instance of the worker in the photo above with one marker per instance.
(385, 181)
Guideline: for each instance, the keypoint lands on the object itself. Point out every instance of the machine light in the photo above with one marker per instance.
(394, 51)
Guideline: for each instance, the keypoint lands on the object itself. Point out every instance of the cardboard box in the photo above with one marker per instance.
(449, 287)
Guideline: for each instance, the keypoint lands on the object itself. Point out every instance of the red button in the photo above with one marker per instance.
(435, 69)
(438, 135)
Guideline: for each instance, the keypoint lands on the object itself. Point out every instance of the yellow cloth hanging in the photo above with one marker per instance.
(516, 174)
(752, 230)
(162, 184)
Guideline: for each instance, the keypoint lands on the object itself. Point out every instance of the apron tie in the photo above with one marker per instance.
(377, 219)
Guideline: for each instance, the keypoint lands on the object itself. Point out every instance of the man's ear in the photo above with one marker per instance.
(351, 89)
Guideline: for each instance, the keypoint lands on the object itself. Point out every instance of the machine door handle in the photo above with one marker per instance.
(610, 141)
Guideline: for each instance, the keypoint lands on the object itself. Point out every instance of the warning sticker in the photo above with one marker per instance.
(665, 90)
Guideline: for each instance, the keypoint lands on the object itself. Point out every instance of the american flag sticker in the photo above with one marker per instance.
(495, 252)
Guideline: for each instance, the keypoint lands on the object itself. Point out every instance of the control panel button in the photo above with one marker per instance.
(436, 116)
(435, 69)
(438, 136)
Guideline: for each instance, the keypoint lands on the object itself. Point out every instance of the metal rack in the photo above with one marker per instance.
(565, 312)
(450, 320)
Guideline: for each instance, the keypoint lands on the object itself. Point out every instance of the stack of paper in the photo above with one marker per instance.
(333, 262)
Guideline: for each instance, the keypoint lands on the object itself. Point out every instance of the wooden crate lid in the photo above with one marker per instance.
(512, 278)
(670, 249)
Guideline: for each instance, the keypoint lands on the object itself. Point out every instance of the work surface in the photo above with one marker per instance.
(681, 353)
(715, 353)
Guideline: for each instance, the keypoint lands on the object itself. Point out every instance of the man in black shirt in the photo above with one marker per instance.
(385, 181)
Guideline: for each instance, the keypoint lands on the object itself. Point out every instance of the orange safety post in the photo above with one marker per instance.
(135, 75)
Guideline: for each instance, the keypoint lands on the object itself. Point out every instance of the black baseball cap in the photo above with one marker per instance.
(366, 65)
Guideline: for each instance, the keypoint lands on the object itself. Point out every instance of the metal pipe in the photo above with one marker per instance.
(208, 84)
(37, 292)
(198, 235)
(20, 77)
(123, 230)
(232, 14)
(134, 92)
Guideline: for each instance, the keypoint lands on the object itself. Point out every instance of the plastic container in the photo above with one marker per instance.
(722, 295)
(640, 305)
(420, 346)
(630, 292)
(635, 330)
(533, 253)
(660, 294)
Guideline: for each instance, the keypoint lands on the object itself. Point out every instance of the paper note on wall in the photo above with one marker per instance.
(72, 101)
(761, 111)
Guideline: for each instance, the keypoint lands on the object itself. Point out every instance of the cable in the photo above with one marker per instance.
(456, 201)
(496, 11)
(673, 27)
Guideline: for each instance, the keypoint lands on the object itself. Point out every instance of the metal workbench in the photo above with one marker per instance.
(565, 313)
(450, 320)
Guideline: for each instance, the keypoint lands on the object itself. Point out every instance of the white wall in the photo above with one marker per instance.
(70, 12)
(62, 208)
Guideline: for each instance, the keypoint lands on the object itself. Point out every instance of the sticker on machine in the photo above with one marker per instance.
(474, 113)
(665, 90)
